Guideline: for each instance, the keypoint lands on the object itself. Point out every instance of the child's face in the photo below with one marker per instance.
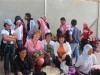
(48, 37)
(90, 51)
(23, 54)
(61, 40)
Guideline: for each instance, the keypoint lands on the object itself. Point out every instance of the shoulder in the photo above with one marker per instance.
(4, 31)
(93, 56)
(32, 21)
(52, 42)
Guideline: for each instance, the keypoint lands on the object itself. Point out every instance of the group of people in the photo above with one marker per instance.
(30, 47)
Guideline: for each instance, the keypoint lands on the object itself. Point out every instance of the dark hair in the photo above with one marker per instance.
(63, 19)
(22, 48)
(61, 36)
(17, 18)
(5, 24)
(28, 15)
(48, 34)
(73, 22)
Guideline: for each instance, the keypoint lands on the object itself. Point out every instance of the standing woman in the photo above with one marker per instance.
(34, 45)
(24, 29)
(62, 51)
(30, 26)
(9, 38)
(85, 35)
(85, 61)
(43, 27)
(19, 33)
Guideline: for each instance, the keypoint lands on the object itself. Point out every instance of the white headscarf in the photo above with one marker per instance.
(85, 50)
(86, 57)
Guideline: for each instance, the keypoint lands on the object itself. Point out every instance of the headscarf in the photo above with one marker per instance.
(64, 28)
(86, 49)
(86, 57)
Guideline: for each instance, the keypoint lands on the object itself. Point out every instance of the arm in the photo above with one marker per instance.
(12, 36)
(70, 34)
(69, 52)
(90, 32)
(7, 38)
(30, 65)
(55, 50)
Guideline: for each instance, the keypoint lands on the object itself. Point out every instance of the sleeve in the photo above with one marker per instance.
(69, 51)
(2, 32)
(16, 65)
(32, 25)
(90, 32)
(79, 62)
(42, 43)
(71, 31)
(94, 59)
(55, 50)
(30, 64)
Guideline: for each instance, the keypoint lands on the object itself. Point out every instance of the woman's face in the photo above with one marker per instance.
(85, 25)
(90, 51)
(8, 27)
(26, 17)
(23, 54)
(36, 36)
(62, 22)
(61, 40)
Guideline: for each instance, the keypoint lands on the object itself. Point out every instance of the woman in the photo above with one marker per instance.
(85, 35)
(34, 46)
(62, 51)
(8, 44)
(24, 29)
(31, 25)
(63, 27)
(48, 46)
(22, 63)
(43, 27)
(86, 60)
(19, 33)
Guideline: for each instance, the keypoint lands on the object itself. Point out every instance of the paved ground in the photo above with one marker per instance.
(2, 69)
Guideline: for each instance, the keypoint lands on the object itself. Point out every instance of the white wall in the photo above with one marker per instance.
(82, 10)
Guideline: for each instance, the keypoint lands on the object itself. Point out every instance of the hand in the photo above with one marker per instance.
(31, 73)
(60, 59)
(19, 73)
(64, 56)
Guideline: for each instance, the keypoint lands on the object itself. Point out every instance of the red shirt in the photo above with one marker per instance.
(86, 33)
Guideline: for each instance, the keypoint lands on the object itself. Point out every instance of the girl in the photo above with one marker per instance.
(86, 60)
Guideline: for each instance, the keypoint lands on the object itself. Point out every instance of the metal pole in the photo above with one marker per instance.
(45, 7)
(98, 19)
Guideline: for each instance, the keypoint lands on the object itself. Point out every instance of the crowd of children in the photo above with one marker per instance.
(30, 47)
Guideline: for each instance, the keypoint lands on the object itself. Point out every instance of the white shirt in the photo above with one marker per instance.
(85, 66)
(66, 46)
(5, 32)
(19, 32)
(44, 42)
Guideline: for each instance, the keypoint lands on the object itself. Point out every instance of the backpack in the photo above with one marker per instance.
(67, 36)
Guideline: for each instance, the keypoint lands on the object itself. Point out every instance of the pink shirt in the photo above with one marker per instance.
(33, 48)
(64, 28)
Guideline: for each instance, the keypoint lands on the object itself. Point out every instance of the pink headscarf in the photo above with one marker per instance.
(43, 27)
(64, 28)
